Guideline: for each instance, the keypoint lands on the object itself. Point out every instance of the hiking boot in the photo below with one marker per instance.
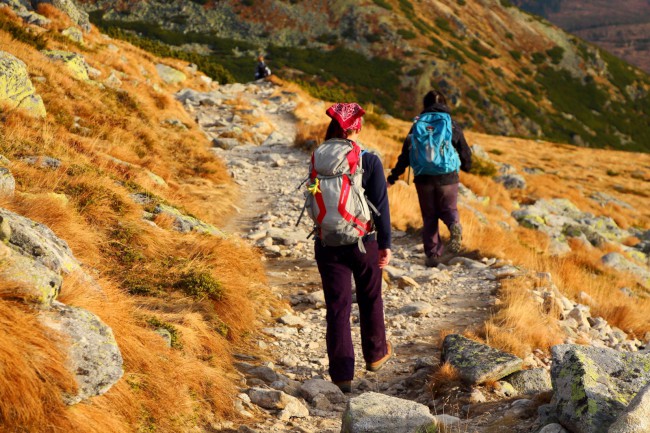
(379, 364)
(432, 261)
(345, 386)
(455, 239)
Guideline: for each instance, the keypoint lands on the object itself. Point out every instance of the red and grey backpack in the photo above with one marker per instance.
(335, 198)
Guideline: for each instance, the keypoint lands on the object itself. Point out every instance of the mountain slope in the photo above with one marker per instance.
(505, 72)
(623, 30)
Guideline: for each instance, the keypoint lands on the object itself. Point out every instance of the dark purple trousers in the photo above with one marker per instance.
(436, 202)
(337, 266)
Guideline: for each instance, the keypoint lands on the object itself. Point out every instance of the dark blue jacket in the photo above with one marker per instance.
(374, 184)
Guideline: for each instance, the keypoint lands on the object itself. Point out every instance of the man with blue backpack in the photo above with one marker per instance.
(436, 149)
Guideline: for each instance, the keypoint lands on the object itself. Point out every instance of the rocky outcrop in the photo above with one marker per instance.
(16, 89)
(75, 63)
(620, 263)
(32, 255)
(93, 354)
(636, 418)
(593, 386)
(185, 223)
(378, 413)
(478, 363)
(74, 34)
(78, 16)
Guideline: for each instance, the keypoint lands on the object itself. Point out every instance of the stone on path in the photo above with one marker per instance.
(636, 418)
(593, 386)
(315, 387)
(372, 412)
(532, 381)
(417, 309)
(272, 399)
(553, 428)
(478, 363)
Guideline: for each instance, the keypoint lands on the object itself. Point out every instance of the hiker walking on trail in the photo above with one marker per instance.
(353, 239)
(436, 149)
(261, 71)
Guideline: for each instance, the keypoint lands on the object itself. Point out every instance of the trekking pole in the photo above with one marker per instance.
(408, 176)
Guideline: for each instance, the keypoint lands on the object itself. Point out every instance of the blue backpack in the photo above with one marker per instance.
(431, 150)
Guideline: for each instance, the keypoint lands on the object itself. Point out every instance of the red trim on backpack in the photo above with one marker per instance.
(343, 201)
(321, 208)
(353, 157)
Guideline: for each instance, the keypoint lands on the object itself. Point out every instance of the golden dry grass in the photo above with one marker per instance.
(87, 203)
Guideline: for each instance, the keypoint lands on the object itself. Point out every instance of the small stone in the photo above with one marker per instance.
(476, 396)
(553, 428)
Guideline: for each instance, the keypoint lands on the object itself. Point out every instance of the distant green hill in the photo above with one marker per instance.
(505, 71)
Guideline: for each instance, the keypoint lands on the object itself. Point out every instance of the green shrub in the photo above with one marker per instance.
(474, 95)
(406, 34)
(443, 24)
(483, 167)
(376, 120)
(555, 54)
(495, 152)
(612, 173)
(373, 37)
(461, 2)
(384, 4)
(200, 285)
(538, 58)
(515, 54)
(481, 50)
(156, 323)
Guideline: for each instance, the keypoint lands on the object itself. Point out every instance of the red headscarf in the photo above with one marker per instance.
(348, 115)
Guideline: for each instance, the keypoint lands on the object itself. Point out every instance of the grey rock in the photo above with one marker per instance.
(225, 143)
(31, 17)
(7, 182)
(378, 413)
(636, 417)
(43, 162)
(468, 263)
(74, 34)
(446, 420)
(532, 381)
(553, 428)
(417, 309)
(93, 354)
(78, 16)
(315, 387)
(512, 181)
(170, 75)
(16, 88)
(593, 386)
(620, 263)
(185, 223)
(291, 320)
(289, 406)
(476, 362)
(165, 335)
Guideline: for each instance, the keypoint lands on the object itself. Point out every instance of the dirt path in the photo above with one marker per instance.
(419, 302)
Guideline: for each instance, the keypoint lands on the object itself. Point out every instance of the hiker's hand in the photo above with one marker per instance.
(384, 257)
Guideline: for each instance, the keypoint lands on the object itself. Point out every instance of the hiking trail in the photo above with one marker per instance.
(419, 302)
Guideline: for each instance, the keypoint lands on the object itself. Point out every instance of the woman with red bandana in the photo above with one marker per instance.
(339, 264)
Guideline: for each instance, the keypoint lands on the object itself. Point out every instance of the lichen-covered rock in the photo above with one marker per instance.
(43, 161)
(78, 16)
(74, 34)
(477, 363)
(40, 284)
(185, 223)
(372, 412)
(170, 75)
(532, 381)
(31, 17)
(7, 182)
(620, 263)
(16, 89)
(636, 418)
(75, 63)
(593, 386)
(93, 355)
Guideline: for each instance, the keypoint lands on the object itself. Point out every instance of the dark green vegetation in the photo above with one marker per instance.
(329, 74)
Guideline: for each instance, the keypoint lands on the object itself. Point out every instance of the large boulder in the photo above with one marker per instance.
(77, 16)
(75, 63)
(478, 363)
(170, 75)
(593, 386)
(636, 418)
(532, 381)
(372, 412)
(93, 355)
(16, 89)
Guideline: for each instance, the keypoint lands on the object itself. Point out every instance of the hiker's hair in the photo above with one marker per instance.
(434, 97)
(334, 130)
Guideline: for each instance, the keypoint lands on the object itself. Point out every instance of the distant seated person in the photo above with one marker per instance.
(262, 70)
